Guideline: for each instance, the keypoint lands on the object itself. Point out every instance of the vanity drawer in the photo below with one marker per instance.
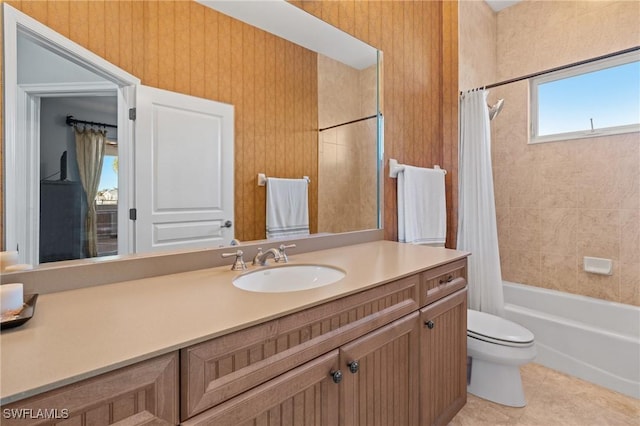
(439, 282)
(214, 371)
(143, 393)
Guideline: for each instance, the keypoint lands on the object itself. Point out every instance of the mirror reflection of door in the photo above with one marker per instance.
(72, 202)
(64, 234)
(184, 171)
(55, 88)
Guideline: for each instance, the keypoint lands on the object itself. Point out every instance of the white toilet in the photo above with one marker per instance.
(497, 348)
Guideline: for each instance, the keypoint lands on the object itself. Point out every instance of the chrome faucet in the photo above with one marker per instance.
(261, 257)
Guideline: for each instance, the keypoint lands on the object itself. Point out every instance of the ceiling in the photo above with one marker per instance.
(498, 5)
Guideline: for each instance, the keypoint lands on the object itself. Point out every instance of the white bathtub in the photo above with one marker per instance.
(593, 339)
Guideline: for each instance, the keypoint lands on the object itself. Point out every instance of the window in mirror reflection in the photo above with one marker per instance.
(107, 207)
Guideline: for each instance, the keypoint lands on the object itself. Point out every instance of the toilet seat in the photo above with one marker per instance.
(497, 330)
(498, 341)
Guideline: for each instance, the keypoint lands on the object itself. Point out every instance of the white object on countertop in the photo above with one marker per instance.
(11, 297)
(8, 258)
(596, 265)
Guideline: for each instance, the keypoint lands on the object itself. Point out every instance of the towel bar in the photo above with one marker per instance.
(262, 179)
(395, 168)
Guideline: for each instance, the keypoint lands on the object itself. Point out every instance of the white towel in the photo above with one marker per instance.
(422, 212)
(287, 208)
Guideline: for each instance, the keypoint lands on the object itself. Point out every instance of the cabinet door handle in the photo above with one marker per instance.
(448, 280)
(430, 324)
(354, 366)
(336, 376)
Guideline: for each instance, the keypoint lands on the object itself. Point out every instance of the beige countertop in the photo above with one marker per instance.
(81, 333)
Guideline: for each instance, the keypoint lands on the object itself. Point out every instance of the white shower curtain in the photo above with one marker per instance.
(477, 230)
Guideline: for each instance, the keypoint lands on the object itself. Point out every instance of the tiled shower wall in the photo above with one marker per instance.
(347, 187)
(558, 202)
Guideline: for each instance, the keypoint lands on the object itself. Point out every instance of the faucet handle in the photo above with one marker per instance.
(238, 264)
(283, 256)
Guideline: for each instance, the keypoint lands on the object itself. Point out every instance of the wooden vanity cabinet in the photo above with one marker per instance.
(396, 364)
(217, 370)
(372, 380)
(144, 393)
(394, 354)
(443, 358)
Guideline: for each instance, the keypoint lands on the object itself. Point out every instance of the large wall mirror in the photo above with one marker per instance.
(311, 110)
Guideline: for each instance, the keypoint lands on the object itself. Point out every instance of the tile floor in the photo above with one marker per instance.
(554, 398)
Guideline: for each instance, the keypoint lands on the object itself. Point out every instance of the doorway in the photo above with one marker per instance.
(177, 194)
(63, 201)
(41, 64)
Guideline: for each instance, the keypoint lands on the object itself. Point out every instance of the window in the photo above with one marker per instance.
(595, 99)
(107, 204)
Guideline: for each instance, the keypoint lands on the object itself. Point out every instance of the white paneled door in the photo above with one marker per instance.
(184, 171)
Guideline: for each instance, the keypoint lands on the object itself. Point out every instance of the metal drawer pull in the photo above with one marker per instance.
(336, 376)
(430, 324)
(354, 366)
(448, 280)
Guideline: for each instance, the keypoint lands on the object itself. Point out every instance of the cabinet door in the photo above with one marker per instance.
(443, 361)
(382, 388)
(306, 395)
(144, 393)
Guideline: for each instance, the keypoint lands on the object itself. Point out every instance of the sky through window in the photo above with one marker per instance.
(610, 97)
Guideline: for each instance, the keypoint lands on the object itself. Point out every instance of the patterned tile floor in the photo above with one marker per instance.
(554, 398)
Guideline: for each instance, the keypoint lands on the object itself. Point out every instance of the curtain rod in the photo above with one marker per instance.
(562, 67)
(349, 122)
(71, 121)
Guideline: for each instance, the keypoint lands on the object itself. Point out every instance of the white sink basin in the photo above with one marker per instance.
(280, 279)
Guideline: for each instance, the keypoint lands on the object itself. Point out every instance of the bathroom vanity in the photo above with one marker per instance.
(384, 345)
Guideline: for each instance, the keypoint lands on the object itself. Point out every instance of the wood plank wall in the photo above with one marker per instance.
(185, 47)
(420, 90)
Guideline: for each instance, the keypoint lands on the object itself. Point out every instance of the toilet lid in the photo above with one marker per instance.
(489, 327)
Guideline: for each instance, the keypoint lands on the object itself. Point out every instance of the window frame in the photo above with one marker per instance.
(568, 73)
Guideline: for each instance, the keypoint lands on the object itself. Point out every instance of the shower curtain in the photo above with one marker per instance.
(477, 229)
(90, 147)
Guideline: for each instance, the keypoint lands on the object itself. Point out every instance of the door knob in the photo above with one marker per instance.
(227, 224)
(354, 366)
(430, 324)
(336, 376)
